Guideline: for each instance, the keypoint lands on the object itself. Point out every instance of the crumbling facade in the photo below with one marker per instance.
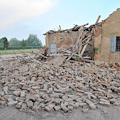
(61, 39)
(55, 40)
(108, 40)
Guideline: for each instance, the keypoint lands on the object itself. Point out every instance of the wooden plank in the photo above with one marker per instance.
(76, 27)
(97, 19)
(86, 37)
(42, 55)
(77, 42)
(83, 50)
(81, 41)
(86, 60)
(85, 24)
(80, 46)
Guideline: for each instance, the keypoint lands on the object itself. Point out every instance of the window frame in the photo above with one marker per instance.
(114, 43)
(117, 43)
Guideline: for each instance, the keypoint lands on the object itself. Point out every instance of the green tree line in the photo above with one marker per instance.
(32, 41)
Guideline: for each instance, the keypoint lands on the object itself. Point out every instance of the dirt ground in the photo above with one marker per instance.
(11, 55)
(103, 113)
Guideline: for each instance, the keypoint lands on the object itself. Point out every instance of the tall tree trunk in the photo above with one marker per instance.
(5, 50)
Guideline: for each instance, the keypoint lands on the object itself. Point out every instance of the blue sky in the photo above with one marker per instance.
(19, 18)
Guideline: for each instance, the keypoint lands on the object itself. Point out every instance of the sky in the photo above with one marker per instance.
(19, 18)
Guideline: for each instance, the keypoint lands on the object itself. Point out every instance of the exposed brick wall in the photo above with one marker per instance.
(64, 39)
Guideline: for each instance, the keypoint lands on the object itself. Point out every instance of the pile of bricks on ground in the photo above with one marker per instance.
(30, 86)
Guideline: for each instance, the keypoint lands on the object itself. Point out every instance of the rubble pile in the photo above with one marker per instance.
(31, 86)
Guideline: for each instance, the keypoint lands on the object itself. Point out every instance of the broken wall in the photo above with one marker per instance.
(110, 27)
(61, 39)
(97, 41)
(66, 39)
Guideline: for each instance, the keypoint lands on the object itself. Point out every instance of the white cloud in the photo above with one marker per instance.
(13, 11)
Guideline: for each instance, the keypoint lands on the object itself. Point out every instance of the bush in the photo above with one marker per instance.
(95, 49)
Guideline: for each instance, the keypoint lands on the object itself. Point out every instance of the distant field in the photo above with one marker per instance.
(3, 52)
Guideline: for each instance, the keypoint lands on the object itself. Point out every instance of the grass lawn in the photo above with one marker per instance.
(3, 52)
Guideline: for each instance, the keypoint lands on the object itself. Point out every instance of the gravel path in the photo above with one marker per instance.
(103, 113)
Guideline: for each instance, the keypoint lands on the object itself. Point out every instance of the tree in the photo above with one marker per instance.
(23, 43)
(14, 42)
(5, 42)
(33, 41)
(1, 42)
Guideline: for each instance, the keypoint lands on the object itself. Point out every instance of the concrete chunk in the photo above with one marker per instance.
(30, 104)
(5, 89)
(22, 94)
(12, 103)
(17, 93)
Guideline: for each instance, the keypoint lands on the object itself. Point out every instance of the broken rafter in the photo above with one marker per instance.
(83, 50)
(79, 47)
(97, 19)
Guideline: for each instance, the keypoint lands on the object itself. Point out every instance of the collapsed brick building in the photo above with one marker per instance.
(106, 39)
(67, 38)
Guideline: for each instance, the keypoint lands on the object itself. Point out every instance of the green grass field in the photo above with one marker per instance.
(3, 52)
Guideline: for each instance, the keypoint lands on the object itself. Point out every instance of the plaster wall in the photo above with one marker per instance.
(110, 27)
